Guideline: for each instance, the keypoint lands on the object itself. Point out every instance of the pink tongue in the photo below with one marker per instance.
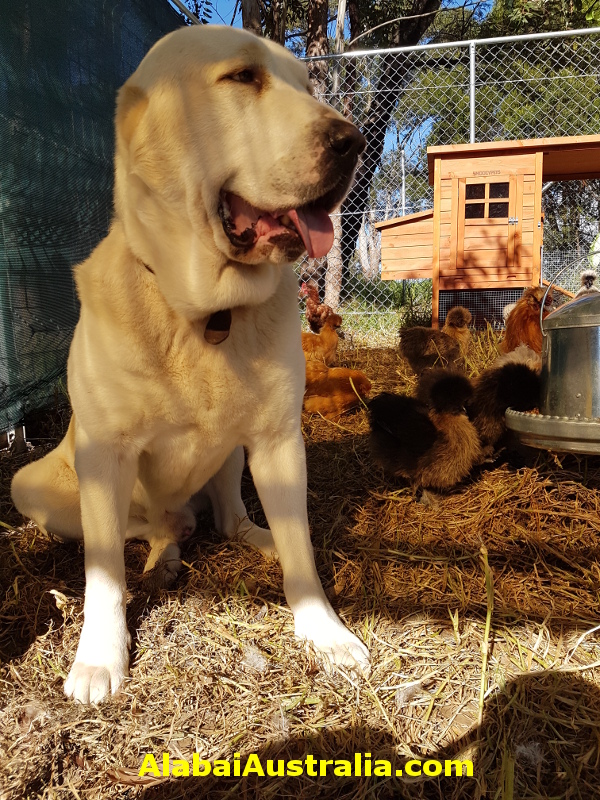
(316, 229)
(313, 225)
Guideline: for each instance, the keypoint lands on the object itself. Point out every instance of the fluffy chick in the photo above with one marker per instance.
(456, 325)
(428, 439)
(588, 277)
(425, 348)
(520, 355)
(322, 346)
(316, 312)
(523, 322)
(510, 385)
(329, 390)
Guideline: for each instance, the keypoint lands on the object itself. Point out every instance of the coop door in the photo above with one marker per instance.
(489, 221)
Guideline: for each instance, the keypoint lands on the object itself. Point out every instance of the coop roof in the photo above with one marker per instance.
(565, 157)
(407, 219)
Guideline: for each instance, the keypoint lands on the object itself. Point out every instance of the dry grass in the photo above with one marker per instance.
(216, 669)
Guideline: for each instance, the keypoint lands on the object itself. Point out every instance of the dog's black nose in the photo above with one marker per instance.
(345, 139)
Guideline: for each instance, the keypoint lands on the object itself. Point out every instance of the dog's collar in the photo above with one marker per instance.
(218, 326)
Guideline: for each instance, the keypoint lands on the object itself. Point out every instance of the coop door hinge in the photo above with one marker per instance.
(513, 220)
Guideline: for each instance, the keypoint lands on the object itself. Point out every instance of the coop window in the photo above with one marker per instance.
(498, 190)
(481, 200)
(475, 211)
(475, 191)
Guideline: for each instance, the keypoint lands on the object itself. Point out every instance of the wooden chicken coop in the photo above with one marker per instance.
(484, 234)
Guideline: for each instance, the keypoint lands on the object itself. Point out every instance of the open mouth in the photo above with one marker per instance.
(246, 226)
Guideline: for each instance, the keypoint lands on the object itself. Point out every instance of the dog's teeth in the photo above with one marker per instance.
(285, 220)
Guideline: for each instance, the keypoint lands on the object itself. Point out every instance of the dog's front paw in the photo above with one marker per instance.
(333, 641)
(92, 684)
(98, 671)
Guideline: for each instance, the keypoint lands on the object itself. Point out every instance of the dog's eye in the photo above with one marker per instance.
(243, 76)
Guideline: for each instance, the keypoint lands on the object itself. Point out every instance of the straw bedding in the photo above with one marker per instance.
(480, 610)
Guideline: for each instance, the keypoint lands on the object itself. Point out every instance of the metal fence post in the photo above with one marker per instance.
(472, 46)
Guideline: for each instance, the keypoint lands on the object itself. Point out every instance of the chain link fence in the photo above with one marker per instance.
(60, 66)
(407, 99)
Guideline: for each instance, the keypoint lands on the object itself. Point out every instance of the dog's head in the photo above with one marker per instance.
(222, 148)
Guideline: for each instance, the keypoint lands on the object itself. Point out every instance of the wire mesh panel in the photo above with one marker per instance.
(564, 267)
(486, 305)
(60, 66)
(406, 100)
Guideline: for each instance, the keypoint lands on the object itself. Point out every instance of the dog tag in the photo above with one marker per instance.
(218, 327)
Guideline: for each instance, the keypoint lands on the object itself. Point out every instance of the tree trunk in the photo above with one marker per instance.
(279, 18)
(251, 16)
(394, 75)
(317, 45)
(333, 276)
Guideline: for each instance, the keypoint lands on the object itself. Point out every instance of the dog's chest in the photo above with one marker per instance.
(245, 381)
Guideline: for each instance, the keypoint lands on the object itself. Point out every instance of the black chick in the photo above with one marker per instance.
(513, 385)
(428, 439)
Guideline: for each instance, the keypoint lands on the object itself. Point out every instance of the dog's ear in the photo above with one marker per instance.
(131, 105)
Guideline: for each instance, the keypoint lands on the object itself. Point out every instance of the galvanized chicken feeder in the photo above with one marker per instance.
(569, 418)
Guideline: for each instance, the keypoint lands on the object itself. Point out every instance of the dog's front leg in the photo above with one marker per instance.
(278, 466)
(106, 478)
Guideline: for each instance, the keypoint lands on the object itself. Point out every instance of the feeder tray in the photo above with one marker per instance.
(563, 434)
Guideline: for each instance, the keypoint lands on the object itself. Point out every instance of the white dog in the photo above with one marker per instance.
(188, 344)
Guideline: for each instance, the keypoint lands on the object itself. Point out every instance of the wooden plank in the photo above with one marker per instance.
(484, 231)
(409, 253)
(485, 259)
(425, 256)
(401, 264)
(403, 239)
(446, 189)
(445, 205)
(490, 222)
(457, 261)
(513, 201)
(499, 242)
(499, 268)
(486, 166)
(447, 283)
(519, 145)
(538, 225)
(495, 275)
(455, 226)
(527, 236)
(397, 275)
(435, 276)
(405, 220)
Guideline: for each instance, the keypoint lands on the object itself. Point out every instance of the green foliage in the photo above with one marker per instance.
(413, 298)
(538, 16)
(202, 9)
